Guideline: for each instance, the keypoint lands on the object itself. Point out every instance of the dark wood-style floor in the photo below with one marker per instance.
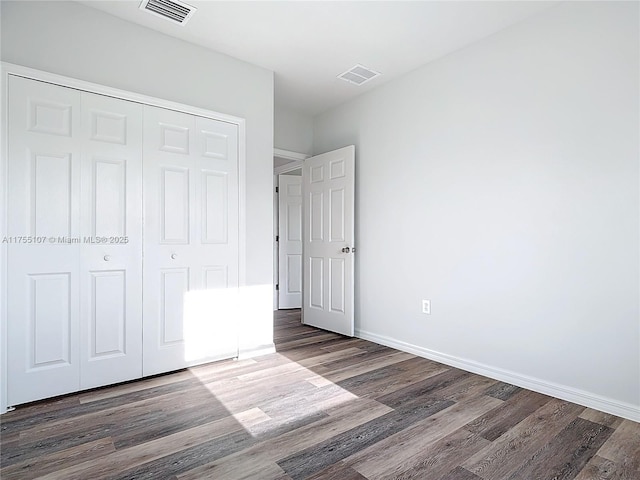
(323, 407)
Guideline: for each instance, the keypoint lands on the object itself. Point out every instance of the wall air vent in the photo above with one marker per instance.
(177, 12)
(359, 75)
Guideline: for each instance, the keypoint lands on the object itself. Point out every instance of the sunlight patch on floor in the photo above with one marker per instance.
(232, 390)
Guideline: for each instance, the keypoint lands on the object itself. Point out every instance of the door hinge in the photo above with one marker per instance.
(277, 287)
(277, 238)
(277, 189)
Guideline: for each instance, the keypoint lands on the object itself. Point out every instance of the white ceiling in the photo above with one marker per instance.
(307, 44)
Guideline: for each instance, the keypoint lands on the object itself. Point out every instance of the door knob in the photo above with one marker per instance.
(174, 256)
(346, 250)
(107, 258)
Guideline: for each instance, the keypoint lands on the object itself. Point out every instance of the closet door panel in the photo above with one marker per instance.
(43, 236)
(169, 196)
(190, 270)
(111, 249)
(216, 163)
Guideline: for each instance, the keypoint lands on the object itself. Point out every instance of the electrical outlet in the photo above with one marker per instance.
(426, 307)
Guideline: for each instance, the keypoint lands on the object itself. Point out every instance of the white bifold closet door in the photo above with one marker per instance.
(111, 230)
(73, 299)
(82, 312)
(191, 240)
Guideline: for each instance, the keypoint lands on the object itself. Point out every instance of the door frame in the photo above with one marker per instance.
(7, 69)
(296, 161)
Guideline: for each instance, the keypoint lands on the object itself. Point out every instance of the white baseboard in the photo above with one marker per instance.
(581, 397)
(256, 351)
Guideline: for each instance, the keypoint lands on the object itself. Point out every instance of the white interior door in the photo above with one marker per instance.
(43, 218)
(290, 241)
(329, 192)
(111, 245)
(191, 240)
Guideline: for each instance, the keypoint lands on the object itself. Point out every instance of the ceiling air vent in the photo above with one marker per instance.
(358, 75)
(177, 12)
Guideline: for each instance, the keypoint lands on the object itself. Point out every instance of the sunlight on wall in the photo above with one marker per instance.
(210, 324)
(222, 323)
(255, 319)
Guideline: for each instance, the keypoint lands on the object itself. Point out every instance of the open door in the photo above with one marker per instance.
(328, 203)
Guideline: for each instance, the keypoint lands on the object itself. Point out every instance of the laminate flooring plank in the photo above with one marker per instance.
(54, 444)
(441, 457)
(341, 419)
(207, 452)
(42, 407)
(322, 345)
(327, 403)
(359, 384)
(351, 342)
(294, 333)
(460, 473)
(401, 451)
(339, 447)
(352, 362)
(311, 340)
(366, 366)
(78, 409)
(600, 468)
(502, 390)
(624, 445)
(109, 465)
(391, 378)
(204, 375)
(9, 439)
(277, 426)
(157, 423)
(168, 405)
(566, 454)
(135, 386)
(602, 418)
(44, 464)
(338, 471)
(375, 349)
(307, 403)
(260, 394)
(303, 364)
(176, 463)
(467, 386)
(267, 471)
(505, 455)
(313, 349)
(423, 388)
(518, 407)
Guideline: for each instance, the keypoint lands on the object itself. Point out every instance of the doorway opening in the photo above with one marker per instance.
(314, 245)
(287, 228)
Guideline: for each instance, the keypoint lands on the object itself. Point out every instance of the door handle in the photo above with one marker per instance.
(346, 250)
(174, 256)
(107, 258)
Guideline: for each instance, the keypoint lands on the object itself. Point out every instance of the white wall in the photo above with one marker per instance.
(77, 41)
(502, 183)
(293, 131)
